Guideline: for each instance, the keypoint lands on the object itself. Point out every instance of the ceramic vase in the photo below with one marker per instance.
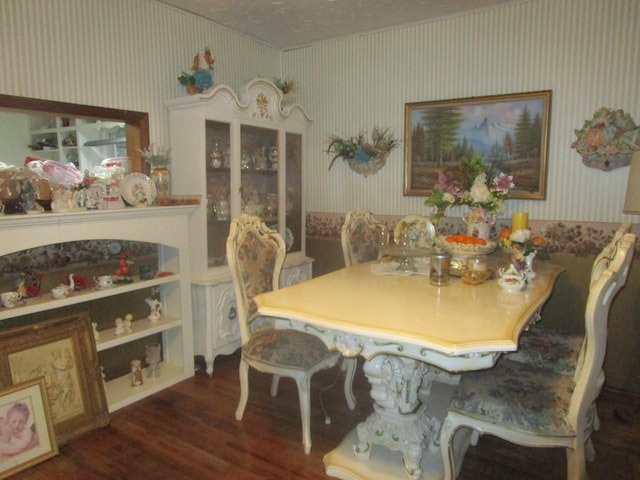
(479, 222)
(161, 176)
(529, 265)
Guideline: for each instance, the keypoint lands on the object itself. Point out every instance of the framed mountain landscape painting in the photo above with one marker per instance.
(510, 133)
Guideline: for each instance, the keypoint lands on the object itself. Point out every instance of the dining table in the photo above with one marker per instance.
(416, 339)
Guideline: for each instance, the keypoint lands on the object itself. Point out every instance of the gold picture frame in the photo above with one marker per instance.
(61, 350)
(511, 129)
(24, 444)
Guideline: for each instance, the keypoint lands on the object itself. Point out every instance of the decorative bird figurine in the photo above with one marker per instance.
(62, 289)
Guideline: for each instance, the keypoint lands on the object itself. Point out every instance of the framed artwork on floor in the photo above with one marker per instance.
(26, 429)
(510, 132)
(62, 351)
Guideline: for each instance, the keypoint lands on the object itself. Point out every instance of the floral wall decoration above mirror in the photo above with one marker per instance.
(607, 140)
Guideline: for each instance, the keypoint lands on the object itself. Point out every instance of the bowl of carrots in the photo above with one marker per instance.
(463, 245)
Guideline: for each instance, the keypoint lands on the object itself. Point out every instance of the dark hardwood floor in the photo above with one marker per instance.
(190, 432)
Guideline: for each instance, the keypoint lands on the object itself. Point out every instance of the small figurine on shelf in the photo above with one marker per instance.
(119, 326)
(136, 373)
(156, 307)
(128, 320)
(153, 358)
(201, 76)
(96, 333)
(123, 272)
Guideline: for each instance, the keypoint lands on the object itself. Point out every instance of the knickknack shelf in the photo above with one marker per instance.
(167, 229)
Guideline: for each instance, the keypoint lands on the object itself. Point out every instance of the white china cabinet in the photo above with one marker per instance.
(243, 153)
(167, 228)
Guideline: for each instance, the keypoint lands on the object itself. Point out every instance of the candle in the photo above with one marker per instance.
(520, 221)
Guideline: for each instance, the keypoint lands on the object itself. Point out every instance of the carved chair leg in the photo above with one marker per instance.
(447, 434)
(275, 383)
(244, 389)
(305, 412)
(576, 463)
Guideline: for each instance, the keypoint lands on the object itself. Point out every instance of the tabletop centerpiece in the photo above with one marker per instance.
(523, 247)
(482, 188)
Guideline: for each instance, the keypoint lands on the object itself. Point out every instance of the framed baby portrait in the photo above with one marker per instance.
(62, 351)
(26, 429)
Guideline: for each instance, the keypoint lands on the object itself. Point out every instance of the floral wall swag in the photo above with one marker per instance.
(363, 156)
(608, 140)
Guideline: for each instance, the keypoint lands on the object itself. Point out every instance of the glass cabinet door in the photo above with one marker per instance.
(218, 168)
(293, 199)
(259, 173)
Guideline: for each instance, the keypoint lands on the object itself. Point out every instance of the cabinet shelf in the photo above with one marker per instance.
(140, 328)
(47, 302)
(121, 393)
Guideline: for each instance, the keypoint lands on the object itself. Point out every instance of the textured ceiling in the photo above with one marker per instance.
(289, 24)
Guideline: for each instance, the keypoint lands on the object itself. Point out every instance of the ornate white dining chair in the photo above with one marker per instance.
(360, 237)
(541, 408)
(551, 349)
(256, 255)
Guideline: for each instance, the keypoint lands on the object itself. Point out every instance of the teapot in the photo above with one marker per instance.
(511, 279)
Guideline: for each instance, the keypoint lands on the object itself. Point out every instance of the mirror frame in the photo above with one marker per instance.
(136, 123)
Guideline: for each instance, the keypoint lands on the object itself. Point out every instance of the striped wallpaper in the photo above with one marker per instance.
(585, 51)
(129, 53)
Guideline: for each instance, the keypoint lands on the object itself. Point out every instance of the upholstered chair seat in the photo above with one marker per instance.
(286, 348)
(548, 349)
(518, 397)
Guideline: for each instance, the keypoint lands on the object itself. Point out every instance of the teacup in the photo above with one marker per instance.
(147, 272)
(10, 299)
(103, 281)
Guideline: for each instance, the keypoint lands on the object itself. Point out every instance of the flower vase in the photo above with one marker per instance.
(528, 259)
(161, 177)
(479, 222)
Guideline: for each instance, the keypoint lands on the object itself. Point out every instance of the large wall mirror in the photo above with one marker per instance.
(80, 134)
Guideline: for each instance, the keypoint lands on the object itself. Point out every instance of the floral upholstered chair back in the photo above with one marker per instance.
(360, 237)
(255, 255)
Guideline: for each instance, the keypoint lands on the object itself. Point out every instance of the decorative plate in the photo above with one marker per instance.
(138, 190)
(463, 249)
(419, 228)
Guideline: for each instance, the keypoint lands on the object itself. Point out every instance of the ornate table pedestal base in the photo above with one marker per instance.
(404, 433)
(399, 421)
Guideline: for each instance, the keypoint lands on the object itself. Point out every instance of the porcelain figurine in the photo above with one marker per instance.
(128, 319)
(62, 290)
(119, 327)
(156, 307)
(96, 333)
